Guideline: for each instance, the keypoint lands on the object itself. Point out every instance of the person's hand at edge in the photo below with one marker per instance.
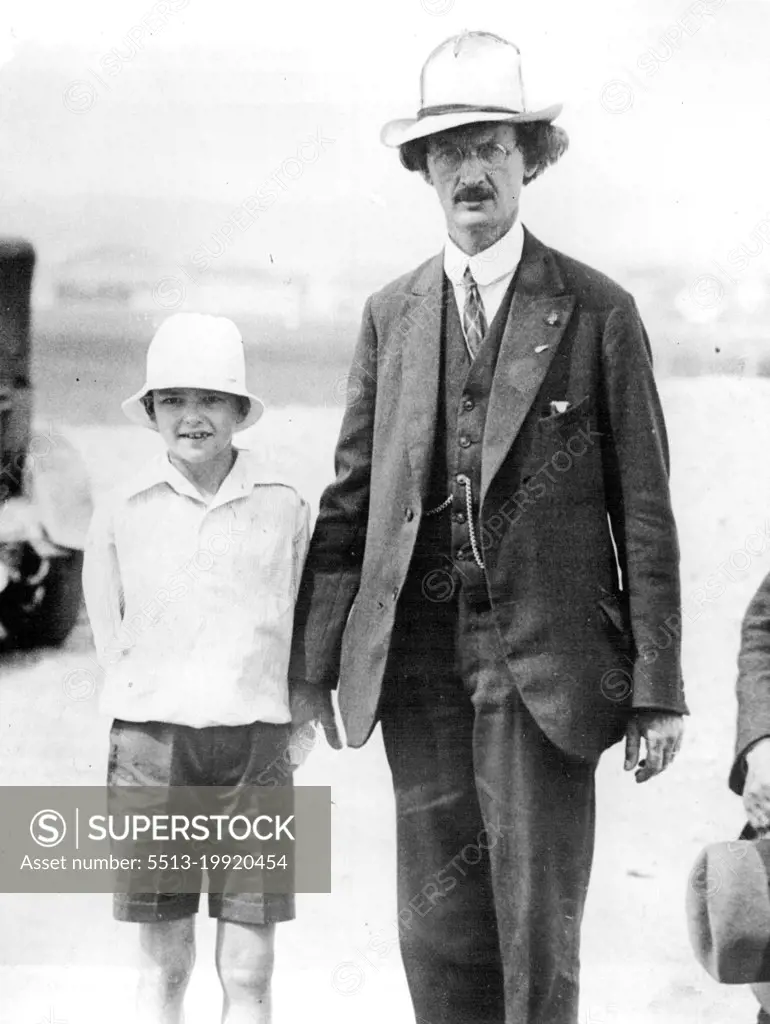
(662, 733)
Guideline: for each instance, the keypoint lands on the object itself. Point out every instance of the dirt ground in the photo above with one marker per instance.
(64, 961)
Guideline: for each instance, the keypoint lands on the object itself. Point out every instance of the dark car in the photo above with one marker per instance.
(45, 494)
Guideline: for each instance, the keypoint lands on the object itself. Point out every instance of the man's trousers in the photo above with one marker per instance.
(495, 830)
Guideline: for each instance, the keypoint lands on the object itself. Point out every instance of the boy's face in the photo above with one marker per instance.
(196, 425)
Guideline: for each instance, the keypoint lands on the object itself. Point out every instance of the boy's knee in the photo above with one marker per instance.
(245, 977)
(169, 956)
(244, 960)
(168, 978)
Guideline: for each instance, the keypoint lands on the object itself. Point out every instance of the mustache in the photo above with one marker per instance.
(472, 194)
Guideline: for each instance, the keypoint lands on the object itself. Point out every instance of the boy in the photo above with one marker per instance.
(190, 577)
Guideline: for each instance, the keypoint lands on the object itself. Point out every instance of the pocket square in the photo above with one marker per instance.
(558, 407)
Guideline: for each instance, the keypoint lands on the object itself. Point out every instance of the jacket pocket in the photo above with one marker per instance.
(575, 414)
(617, 622)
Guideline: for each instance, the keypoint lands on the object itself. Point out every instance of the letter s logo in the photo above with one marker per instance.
(48, 828)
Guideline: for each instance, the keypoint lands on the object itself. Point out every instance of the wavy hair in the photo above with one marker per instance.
(541, 144)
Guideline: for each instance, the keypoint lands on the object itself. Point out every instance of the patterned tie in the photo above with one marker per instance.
(474, 320)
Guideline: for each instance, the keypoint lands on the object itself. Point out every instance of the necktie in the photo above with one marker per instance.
(474, 320)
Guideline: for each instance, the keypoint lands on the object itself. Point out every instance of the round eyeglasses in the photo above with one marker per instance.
(449, 158)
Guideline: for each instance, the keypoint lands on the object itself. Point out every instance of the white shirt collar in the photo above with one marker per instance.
(246, 473)
(490, 265)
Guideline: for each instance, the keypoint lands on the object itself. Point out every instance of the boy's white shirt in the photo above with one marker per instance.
(192, 603)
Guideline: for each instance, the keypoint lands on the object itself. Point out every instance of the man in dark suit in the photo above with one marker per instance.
(494, 572)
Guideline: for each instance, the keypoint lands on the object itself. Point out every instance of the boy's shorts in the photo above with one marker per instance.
(162, 754)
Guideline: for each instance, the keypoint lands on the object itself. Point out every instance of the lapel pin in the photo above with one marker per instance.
(552, 319)
(541, 348)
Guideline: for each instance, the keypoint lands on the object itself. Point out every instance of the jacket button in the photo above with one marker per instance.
(408, 514)
(464, 441)
(468, 404)
(459, 517)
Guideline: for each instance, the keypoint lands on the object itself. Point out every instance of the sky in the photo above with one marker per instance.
(199, 102)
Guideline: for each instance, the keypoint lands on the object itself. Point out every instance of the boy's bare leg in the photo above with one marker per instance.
(245, 966)
(168, 955)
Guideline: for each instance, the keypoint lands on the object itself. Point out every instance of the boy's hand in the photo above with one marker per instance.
(302, 741)
(311, 705)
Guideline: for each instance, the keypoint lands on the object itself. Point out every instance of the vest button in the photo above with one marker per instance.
(459, 517)
(468, 404)
(408, 514)
(464, 441)
(464, 554)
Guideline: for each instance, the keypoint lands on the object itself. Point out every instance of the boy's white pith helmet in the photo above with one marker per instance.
(195, 350)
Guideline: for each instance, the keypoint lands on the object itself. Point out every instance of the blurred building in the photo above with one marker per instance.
(114, 277)
(238, 290)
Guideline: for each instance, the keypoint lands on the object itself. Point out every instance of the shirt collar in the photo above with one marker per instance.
(246, 473)
(490, 265)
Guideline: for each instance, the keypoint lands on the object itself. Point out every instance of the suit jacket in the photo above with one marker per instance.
(753, 685)
(576, 523)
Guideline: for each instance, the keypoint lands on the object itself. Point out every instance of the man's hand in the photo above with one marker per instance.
(756, 790)
(311, 706)
(662, 732)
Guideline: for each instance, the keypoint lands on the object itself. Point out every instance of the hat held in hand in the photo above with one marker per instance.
(728, 910)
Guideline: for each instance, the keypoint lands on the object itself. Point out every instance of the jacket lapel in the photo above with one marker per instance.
(421, 331)
(536, 322)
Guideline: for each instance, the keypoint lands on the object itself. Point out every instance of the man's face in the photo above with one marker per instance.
(196, 425)
(480, 194)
